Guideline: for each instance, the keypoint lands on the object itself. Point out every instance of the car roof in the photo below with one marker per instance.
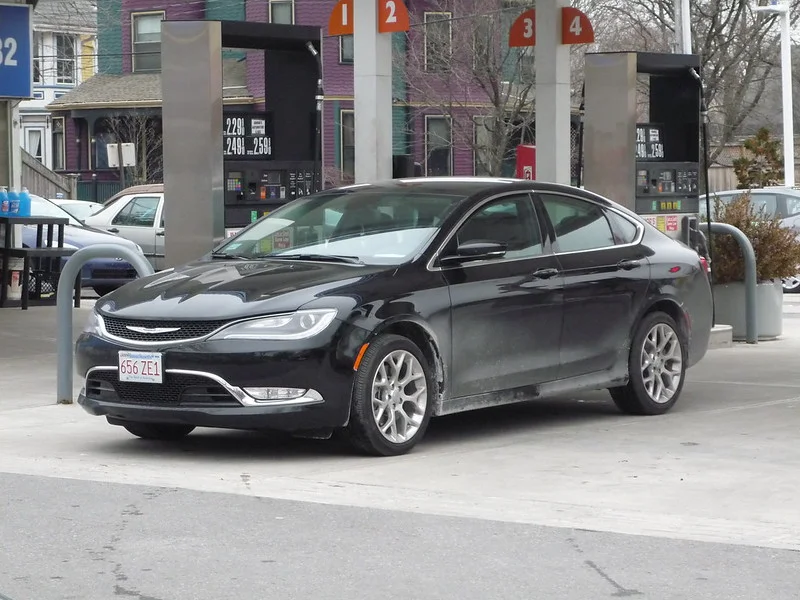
(148, 188)
(471, 186)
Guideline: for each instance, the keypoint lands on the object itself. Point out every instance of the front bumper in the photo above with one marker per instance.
(205, 383)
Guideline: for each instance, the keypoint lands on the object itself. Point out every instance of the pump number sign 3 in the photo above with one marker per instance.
(141, 367)
(16, 57)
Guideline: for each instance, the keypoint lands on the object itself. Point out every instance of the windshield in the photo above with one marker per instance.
(44, 208)
(372, 226)
(80, 210)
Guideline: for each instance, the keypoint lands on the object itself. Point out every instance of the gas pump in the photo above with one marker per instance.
(642, 136)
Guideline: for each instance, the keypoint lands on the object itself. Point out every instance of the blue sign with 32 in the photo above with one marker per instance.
(16, 57)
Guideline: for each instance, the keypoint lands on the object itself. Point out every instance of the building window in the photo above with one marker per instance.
(438, 40)
(347, 125)
(146, 41)
(34, 139)
(281, 11)
(65, 58)
(346, 51)
(57, 144)
(438, 146)
(38, 42)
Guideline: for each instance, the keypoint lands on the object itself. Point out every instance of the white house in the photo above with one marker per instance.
(64, 55)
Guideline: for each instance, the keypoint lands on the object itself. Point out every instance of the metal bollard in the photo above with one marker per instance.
(66, 287)
(750, 283)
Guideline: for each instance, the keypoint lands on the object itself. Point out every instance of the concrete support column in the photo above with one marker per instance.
(191, 83)
(373, 94)
(553, 102)
(10, 151)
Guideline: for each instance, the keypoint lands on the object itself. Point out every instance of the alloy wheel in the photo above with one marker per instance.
(399, 396)
(791, 284)
(662, 363)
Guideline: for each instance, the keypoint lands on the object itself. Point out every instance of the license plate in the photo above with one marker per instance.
(141, 367)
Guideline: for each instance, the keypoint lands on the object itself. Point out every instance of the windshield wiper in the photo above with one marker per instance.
(352, 260)
(230, 256)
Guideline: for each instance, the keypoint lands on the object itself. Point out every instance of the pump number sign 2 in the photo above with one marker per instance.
(16, 57)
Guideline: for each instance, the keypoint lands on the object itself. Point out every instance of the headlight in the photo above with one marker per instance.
(295, 326)
(94, 323)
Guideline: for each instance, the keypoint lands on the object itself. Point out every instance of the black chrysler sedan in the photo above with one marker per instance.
(370, 309)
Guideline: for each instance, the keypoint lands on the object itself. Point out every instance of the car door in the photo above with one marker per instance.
(606, 275)
(136, 221)
(505, 312)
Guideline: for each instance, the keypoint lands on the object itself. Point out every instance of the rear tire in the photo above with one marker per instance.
(393, 398)
(656, 368)
(159, 431)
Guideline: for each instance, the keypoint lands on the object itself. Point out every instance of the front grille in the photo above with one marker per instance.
(114, 274)
(184, 330)
(177, 390)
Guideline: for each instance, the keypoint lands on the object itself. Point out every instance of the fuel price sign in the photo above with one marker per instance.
(247, 136)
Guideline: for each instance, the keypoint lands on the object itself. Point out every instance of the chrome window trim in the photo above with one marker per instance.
(430, 264)
(639, 226)
(638, 240)
(310, 397)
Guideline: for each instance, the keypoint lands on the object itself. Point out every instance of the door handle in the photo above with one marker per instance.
(160, 233)
(545, 273)
(629, 265)
(113, 230)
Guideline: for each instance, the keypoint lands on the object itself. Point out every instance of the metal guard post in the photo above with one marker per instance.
(750, 283)
(66, 287)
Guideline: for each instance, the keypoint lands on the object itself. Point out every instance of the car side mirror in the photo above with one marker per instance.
(475, 250)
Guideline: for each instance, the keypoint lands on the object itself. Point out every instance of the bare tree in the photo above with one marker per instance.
(459, 65)
(738, 49)
(143, 130)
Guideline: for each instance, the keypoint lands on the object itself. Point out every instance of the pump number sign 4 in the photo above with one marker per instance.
(141, 367)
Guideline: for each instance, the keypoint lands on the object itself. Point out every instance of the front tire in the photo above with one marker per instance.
(656, 368)
(393, 398)
(159, 431)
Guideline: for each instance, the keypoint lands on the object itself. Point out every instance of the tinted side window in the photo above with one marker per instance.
(511, 221)
(624, 231)
(139, 212)
(579, 225)
(766, 202)
(792, 204)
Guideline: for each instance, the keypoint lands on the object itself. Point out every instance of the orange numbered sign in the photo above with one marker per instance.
(392, 16)
(575, 27)
(523, 31)
(341, 21)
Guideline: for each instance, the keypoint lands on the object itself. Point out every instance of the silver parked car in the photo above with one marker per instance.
(80, 209)
(137, 216)
(778, 201)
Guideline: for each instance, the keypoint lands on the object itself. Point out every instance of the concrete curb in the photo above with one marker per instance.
(721, 337)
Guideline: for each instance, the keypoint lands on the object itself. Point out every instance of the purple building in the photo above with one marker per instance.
(462, 98)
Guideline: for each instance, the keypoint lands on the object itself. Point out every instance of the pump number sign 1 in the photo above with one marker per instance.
(16, 57)
(247, 136)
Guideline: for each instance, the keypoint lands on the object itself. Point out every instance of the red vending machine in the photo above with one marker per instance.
(526, 161)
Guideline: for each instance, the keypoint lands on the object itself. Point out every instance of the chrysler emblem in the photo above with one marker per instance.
(152, 330)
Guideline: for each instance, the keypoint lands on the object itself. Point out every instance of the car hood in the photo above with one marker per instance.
(81, 237)
(222, 289)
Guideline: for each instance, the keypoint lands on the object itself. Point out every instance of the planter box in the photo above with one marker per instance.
(730, 309)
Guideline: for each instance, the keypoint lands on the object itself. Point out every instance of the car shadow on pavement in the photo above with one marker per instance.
(480, 426)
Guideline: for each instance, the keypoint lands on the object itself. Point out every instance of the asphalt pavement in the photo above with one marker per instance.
(562, 499)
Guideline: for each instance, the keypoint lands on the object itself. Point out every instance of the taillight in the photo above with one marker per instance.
(705, 265)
